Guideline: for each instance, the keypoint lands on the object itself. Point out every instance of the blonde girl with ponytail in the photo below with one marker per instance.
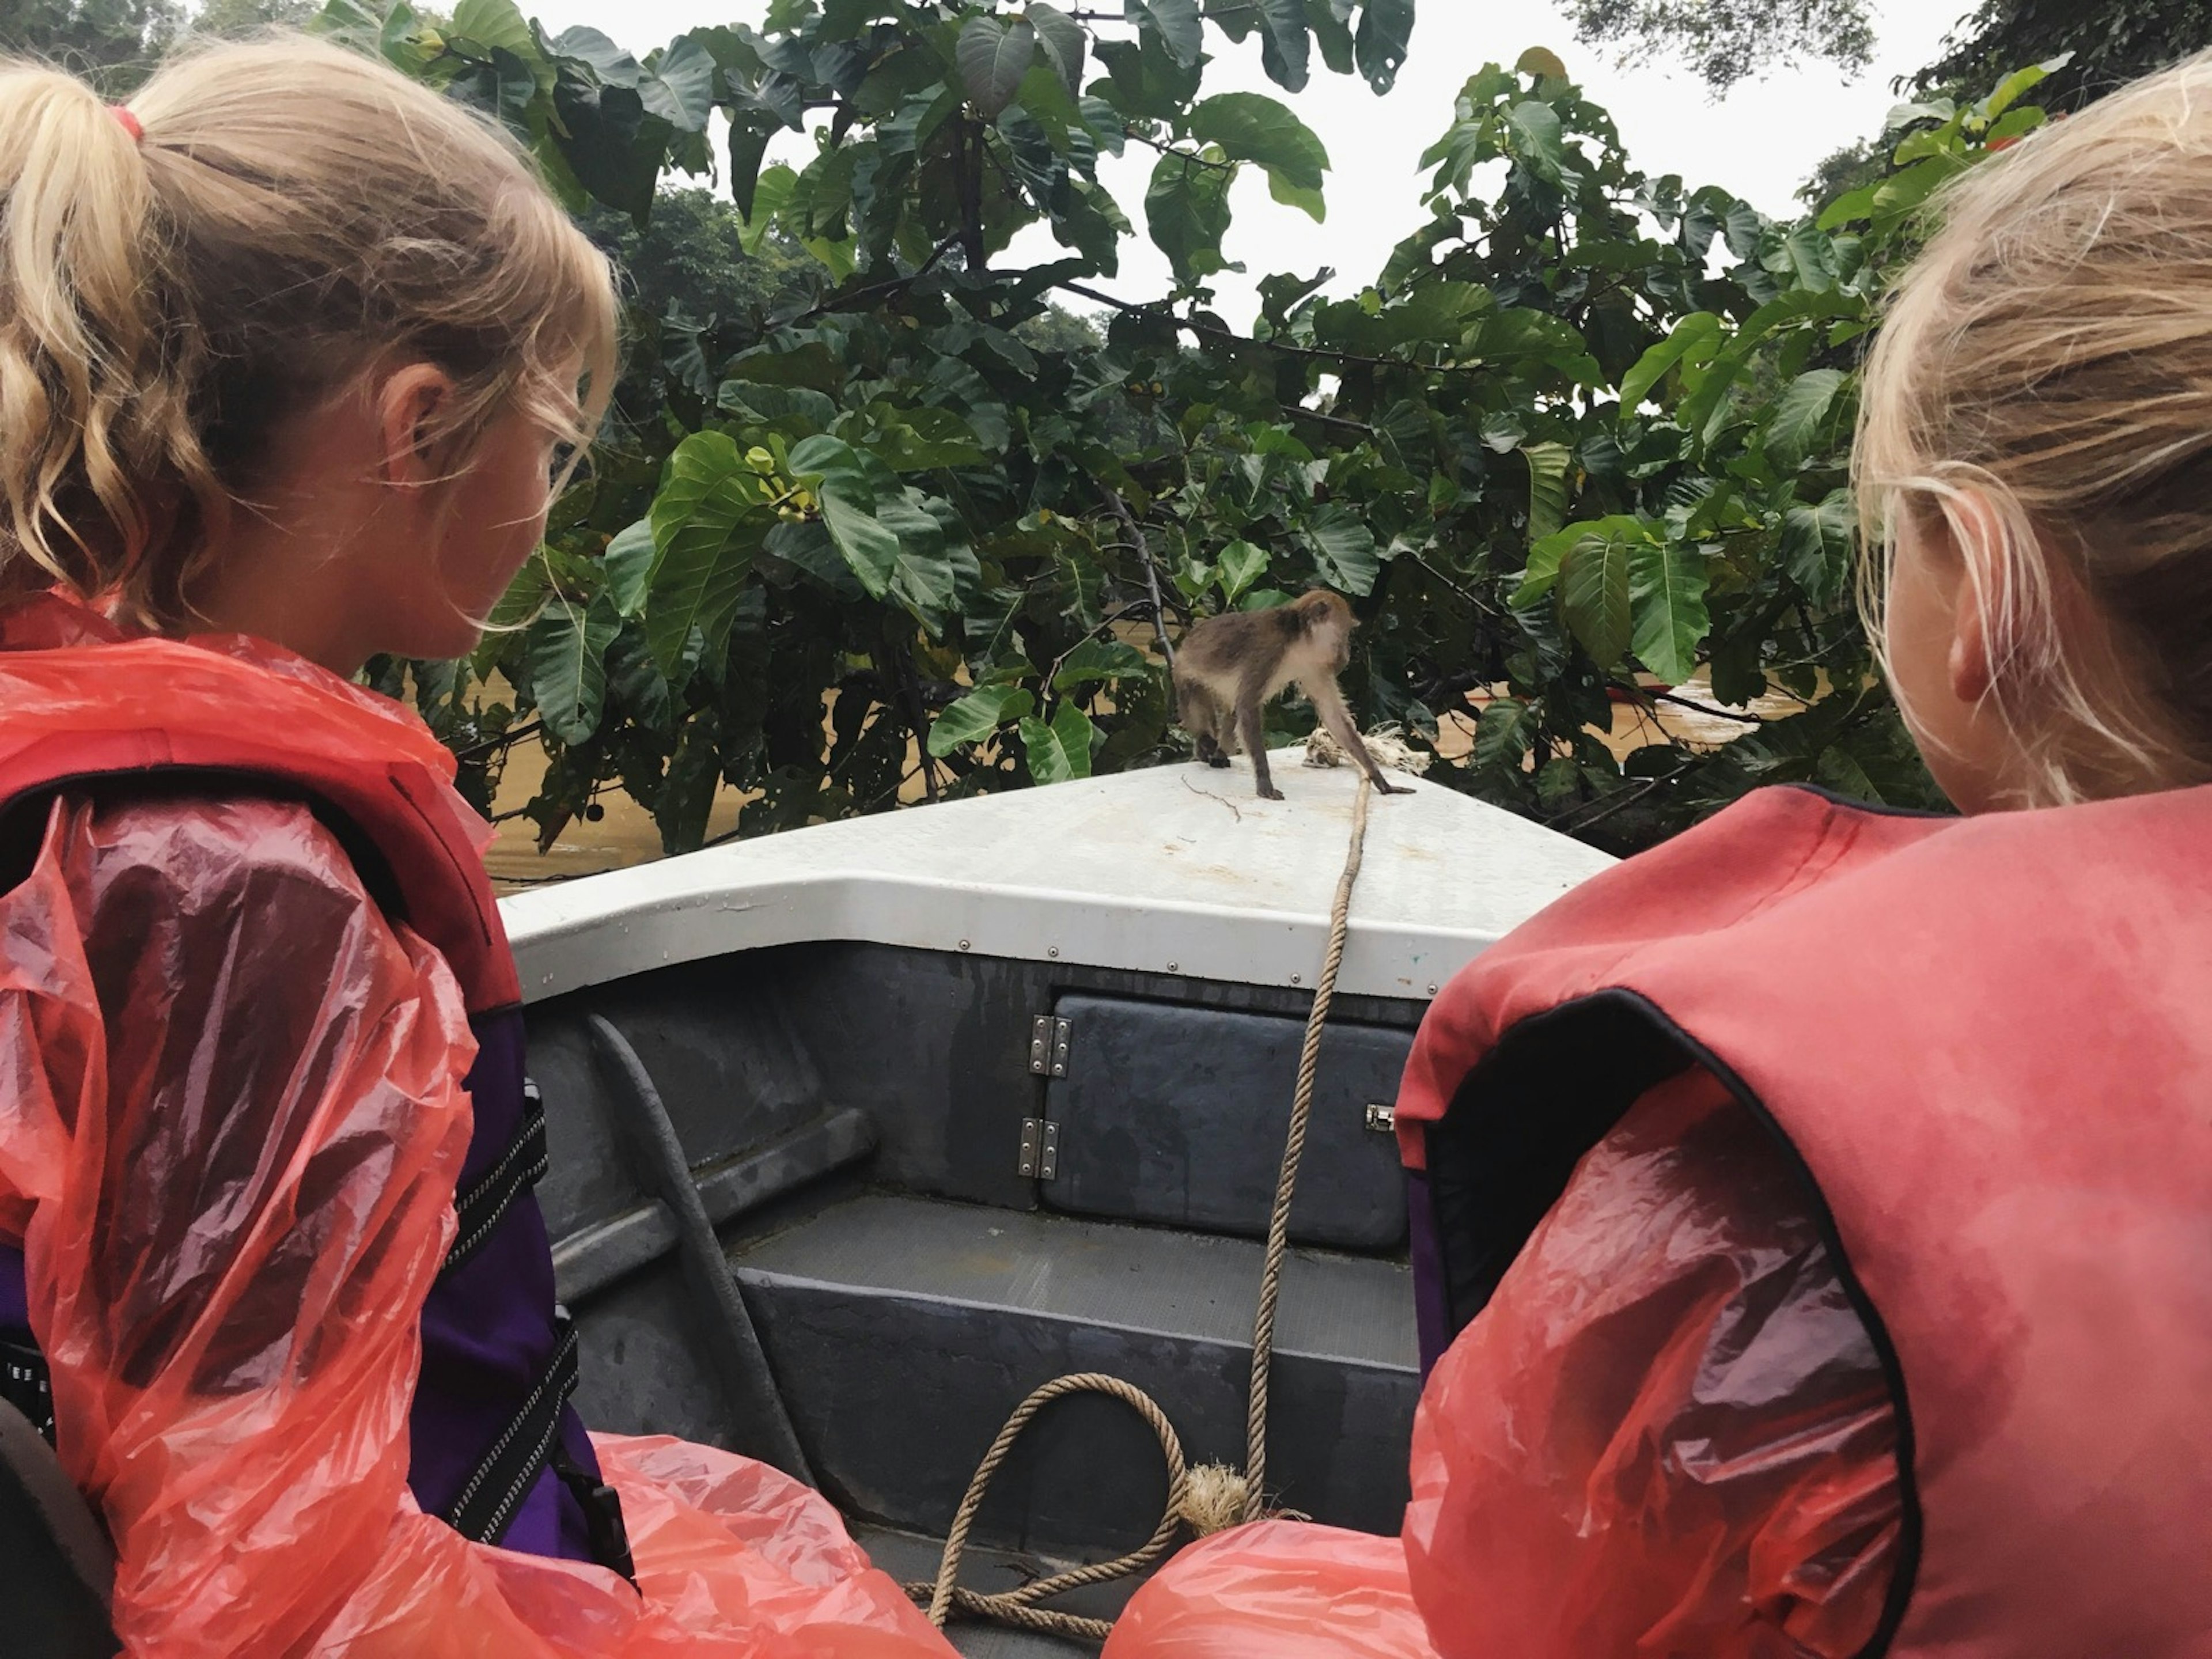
(290, 350)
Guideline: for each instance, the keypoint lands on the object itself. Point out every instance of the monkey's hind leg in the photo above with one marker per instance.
(1200, 715)
(1328, 703)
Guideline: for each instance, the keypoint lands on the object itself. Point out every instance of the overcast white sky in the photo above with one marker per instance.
(1761, 142)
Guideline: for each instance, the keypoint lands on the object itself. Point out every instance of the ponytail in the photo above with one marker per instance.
(86, 411)
(272, 219)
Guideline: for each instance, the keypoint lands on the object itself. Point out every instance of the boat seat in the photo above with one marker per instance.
(57, 1567)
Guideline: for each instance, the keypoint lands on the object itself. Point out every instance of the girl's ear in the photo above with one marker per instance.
(410, 402)
(1979, 573)
(1967, 662)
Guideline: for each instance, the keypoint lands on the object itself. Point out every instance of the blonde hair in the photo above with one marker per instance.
(2042, 390)
(294, 214)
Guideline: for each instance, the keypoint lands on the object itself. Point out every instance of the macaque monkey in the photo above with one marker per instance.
(1232, 665)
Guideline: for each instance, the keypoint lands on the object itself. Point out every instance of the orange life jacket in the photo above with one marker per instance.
(1989, 1043)
(496, 1449)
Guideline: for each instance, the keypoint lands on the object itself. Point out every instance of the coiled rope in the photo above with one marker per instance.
(1222, 1507)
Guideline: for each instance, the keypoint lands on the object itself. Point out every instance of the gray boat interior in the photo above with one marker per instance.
(941, 1179)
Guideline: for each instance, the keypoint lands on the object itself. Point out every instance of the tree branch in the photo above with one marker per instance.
(851, 301)
(1214, 332)
(1608, 806)
(1170, 149)
(505, 740)
(1136, 532)
(1706, 709)
(968, 168)
(1301, 412)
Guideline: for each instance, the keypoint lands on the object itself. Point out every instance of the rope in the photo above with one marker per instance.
(1018, 1606)
(1294, 1147)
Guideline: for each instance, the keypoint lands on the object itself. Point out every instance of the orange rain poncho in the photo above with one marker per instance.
(231, 1122)
(1667, 1434)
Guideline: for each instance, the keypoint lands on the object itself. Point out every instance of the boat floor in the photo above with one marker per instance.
(910, 1558)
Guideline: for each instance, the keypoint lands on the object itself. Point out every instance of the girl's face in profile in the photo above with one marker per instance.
(493, 522)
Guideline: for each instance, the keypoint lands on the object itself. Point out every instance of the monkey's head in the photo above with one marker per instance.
(1322, 609)
(1328, 620)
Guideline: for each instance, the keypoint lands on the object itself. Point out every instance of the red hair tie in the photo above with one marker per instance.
(129, 123)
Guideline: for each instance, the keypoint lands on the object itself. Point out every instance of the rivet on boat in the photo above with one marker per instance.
(964, 943)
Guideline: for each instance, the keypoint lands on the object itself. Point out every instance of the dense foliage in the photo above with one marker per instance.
(117, 43)
(2107, 44)
(1725, 41)
(879, 518)
(886, 528)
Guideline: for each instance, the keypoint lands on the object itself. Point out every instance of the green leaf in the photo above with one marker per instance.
(1542, 574)
(568, 665)
(1539, 140)
(870, 547)
(1145, 82)
(1329, 21)
(1234, 18)
(705, 561)
(976, 716)
(680, 87)
(1173, 23)
(1798, 414)
(1063, 41)
(1504, 732)
(628, 566)
(1250, 126)
(1847, 209)
(770, 195)
(924, 579)
(1549, 467)
(1285, 47)
(1816, 546)
(1666, 599)
(1594, 596)
(1812, 256)
(2020, 83)
(1241, 564)
(1061, 750)
(994, 56)
(1187, 210)
(1694, 339)
(517, 608)
(495, 23)
(1545, 556)
(687, 792)
(1385, 29)
(923, 439)
(1344, 547)
(1098, 658)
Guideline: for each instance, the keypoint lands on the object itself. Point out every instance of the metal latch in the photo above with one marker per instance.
(1382, 1117)
(1040, 1159)
(1049, 1047)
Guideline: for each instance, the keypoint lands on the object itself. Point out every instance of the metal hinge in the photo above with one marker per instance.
(1048, 1046)
(1040, 1159)
(1382, 1118)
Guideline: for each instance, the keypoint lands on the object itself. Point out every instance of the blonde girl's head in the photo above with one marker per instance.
(2034, 461)
(265, 226)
